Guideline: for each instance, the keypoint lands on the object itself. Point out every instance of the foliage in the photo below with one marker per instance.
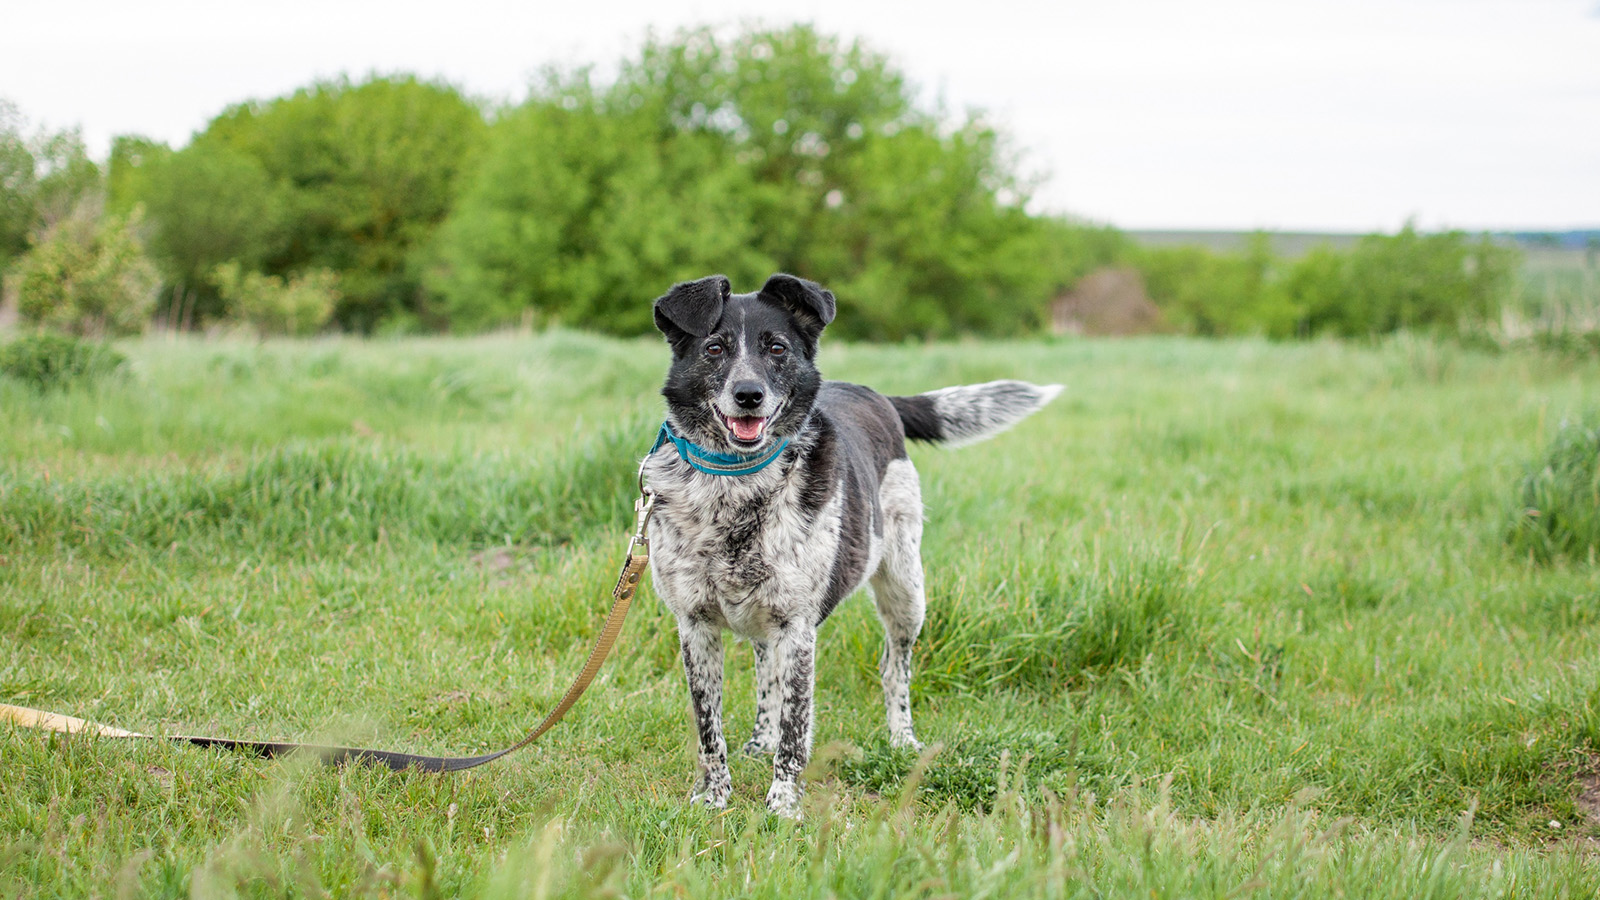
(209, 205)
(43, 177)
(47, 360)
(1386, 283)
(1559, 497)
(767, 150)
(1405, 281)
(17, 176)
(1216, 294)
(88, 275)
(298, 306)
(340, 176)
(579, 211)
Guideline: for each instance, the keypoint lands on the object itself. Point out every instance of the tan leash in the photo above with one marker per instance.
(633, 566)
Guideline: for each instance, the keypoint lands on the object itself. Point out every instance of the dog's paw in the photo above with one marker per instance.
(713, 790)
(905, 739)
(759, 747)
(783, 798)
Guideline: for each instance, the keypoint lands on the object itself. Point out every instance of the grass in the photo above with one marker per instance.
(1227, 619)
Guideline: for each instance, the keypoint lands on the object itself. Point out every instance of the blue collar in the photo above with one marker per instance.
(713, 463)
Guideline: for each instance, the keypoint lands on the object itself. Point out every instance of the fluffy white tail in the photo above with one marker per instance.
(971, 412)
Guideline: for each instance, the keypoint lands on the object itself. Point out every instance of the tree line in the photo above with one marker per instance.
(397, 204)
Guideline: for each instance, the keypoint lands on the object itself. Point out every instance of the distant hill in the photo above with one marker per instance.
(1294, 244)
(1579, 239)
(1284, 243)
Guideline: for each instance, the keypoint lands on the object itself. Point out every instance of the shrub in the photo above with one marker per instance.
(88, 276)
(1385, 283)
(53, 360)
(764, 150)
(1215, 294)
(339, 175)
(1403, 281)
(299, 306)
(1559, 497)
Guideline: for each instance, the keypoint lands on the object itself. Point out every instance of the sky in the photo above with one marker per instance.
(1314, 115)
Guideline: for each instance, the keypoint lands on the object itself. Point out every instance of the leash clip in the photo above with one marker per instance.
(643, 508)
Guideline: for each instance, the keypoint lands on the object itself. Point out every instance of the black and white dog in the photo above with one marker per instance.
(778, 494)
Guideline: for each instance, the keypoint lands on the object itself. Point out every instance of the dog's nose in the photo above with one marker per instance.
(748, 394)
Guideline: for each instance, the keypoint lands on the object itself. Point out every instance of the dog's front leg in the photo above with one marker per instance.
(769, 702)
(702, 664)
(795, 653)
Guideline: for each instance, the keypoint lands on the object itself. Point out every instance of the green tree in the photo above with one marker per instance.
(772, 149)
(1402, 281)
(88, 275)
(368, 170)
(43, 178)
(209, 204)
(1217, 294)
(917, 222)
(347, 177)
(18, 180)
(581, 206)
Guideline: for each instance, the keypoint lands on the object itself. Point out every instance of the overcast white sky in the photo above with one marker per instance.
(1293, 114)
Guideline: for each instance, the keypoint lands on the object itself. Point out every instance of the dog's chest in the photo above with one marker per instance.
(748, 556)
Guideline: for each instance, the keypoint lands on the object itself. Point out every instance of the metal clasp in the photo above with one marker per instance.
(643, 507)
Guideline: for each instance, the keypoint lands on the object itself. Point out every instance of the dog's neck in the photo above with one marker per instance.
(713, 463)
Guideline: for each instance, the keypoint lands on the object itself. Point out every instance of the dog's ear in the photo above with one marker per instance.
(692, 307)
(811, 303)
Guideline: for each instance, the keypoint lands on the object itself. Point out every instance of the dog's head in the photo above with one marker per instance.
(743, 365)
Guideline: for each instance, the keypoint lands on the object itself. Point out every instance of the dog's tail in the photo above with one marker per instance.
(971, 412)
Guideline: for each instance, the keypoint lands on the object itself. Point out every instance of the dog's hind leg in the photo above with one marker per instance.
(769, 702)
(898, 592)
(702, 664)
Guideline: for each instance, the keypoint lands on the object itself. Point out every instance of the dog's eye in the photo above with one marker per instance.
(713, 349)
(777, 349)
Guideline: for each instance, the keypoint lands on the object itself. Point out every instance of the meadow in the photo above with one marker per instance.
(1228, 619)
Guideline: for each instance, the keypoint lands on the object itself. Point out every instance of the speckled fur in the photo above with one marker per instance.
(769, 555)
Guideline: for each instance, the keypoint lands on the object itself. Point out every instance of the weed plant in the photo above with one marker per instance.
(49, 361)
(1559, 498)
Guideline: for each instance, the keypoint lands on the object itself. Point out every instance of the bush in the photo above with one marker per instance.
(1404, 281)
(346, 176)
(1215, 294)
(1559, 498)
(1386, 283)
(300, 306)
(88, 276)
(52, 360)
(766, 150)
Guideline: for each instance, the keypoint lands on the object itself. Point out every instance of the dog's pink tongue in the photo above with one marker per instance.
(747, 429)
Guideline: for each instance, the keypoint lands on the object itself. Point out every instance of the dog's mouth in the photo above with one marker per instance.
(746, 430)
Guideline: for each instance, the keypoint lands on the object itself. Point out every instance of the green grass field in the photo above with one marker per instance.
(1228, 619)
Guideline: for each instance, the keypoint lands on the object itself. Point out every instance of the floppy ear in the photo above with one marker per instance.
(691, 307)
(810, 302)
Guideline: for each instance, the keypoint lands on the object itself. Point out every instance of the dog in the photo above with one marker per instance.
(777, 495)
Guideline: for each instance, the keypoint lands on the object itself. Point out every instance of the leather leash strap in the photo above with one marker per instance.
(633, 567)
